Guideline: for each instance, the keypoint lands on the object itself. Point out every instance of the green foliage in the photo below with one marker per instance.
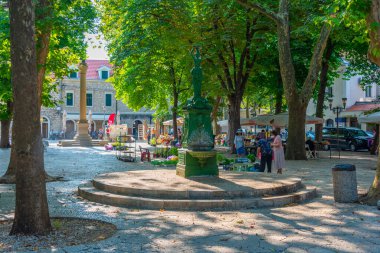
(164, 162)
(224, 160)
(69, 20)
(251, 157)
(173, 151)
(153, 141)
(57, 224)
(149, 51)
(5, 66)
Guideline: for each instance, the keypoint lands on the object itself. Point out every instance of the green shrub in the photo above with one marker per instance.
(251, 157)
(220, 157)
(164, 162)
(173, 151)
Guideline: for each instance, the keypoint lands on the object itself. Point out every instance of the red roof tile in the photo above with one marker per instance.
(362, 107)
(94, 65)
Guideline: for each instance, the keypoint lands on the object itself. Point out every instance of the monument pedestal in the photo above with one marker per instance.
(196, 163)
(82, 136)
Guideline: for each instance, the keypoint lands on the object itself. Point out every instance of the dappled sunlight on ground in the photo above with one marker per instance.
(318, 226)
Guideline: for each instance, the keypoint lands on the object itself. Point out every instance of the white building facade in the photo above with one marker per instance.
(358, 101)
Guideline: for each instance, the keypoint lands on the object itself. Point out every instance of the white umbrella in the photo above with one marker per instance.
(370, 118)
(64, 118)
(118, 118)
(170, 122)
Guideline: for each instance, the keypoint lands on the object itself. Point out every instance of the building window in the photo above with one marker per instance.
(108, 99)
(89, 99)
(368, 91)
(69, 98)
(104, 74)
(73, 75)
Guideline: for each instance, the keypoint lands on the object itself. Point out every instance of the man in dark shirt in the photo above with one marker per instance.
(265, 150)
(311, 145)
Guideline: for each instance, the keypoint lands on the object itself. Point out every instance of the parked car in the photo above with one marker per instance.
(348, 138)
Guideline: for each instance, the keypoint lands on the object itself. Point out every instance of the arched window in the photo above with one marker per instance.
(329, 123)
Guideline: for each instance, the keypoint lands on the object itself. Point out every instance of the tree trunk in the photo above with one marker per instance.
(375, 143)
(374, 16)
(373, 194)
(295, 148)
(42, 47)
(45, 12)
(323, 79)
(5, 126)
(31, 211)
(374, 32)
(214, 115)
(233, 119)
(174, 110)
(247, 109)
(279, 95)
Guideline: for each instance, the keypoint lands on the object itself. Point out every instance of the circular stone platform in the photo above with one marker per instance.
(163, 189)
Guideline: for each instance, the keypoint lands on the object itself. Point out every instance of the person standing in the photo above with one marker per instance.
(239, 143)
(148, 135)
(264, 151)
(278, 152)
(262, 134)
(310, 134)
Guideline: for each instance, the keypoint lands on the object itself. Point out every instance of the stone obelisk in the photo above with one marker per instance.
(82, 135)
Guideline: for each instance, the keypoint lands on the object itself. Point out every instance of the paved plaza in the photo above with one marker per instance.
(320, 225)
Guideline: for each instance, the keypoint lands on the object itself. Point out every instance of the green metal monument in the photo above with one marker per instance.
(198, 157)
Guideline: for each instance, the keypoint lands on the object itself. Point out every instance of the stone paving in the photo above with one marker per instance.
(318, 226)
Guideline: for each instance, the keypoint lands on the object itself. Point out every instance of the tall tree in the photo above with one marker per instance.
(31, 212)
(60, 28)
(297, 97)
(373, 21)
(323, 83)
(149, 52)
(231, 36)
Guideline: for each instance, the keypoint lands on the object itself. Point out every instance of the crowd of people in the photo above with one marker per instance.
(269, 150)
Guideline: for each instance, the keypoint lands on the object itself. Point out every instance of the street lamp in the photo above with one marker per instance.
(337, 110)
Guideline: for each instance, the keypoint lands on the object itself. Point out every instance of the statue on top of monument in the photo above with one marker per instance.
(196, 72)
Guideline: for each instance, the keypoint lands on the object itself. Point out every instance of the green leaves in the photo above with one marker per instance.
(149, 50)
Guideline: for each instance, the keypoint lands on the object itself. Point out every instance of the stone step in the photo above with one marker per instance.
(242, 192)
(88, 191)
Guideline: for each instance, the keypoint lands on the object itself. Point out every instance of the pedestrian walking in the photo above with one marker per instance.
(278, 152)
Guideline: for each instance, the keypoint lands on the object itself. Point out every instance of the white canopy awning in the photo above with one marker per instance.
(243, 122)
(282, 119)
(94, 116)
(370, 118)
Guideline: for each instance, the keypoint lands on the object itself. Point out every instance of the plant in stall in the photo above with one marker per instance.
(220, 158)
(173, 151)
(251, 157)
(153, 141)
(172, 158)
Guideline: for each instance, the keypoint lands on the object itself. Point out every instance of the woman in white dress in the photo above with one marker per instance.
(278, 153)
